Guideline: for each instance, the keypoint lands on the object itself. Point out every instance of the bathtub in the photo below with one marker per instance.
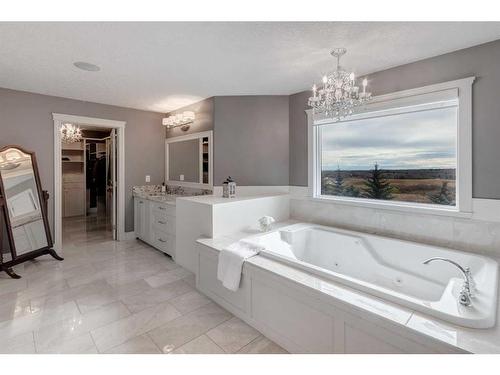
(390, 269)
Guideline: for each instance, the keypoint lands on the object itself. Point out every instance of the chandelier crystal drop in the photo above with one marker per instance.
(339, 94)
(70, 133)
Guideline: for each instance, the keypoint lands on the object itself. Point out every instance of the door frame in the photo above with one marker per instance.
(60, 119)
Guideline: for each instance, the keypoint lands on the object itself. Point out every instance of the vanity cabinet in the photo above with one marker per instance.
(154, 223)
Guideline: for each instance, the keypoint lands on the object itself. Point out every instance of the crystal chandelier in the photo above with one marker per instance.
(70, 133)
(339, 94)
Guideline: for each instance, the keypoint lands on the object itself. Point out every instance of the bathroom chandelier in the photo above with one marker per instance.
(180, 119)
(70, 133)
(339, 94)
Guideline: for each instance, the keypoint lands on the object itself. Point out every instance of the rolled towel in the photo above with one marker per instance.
(231, 261)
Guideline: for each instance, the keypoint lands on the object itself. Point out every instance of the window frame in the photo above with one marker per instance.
(463, 207)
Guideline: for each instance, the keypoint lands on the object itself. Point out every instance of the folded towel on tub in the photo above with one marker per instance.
(231, 261)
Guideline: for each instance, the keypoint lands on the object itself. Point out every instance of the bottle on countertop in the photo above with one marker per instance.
(229, 188)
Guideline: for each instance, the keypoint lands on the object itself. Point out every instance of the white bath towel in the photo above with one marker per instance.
(231, 261)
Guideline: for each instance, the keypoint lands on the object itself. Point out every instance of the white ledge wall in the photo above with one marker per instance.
(478, 234)
(213, 217)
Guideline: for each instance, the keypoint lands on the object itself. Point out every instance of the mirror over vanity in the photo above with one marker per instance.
(188, 160)
(25, 232)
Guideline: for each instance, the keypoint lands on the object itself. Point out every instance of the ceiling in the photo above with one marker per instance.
(163, 66)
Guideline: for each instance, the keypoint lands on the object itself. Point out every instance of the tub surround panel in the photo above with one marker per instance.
(478, 236)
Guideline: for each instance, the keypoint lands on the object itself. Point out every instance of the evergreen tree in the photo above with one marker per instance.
(377, 187)
(327, 186)
(338, 183)
(444, 195)
(352, 191)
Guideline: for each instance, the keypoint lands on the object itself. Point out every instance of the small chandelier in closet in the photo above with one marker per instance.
(70, 133)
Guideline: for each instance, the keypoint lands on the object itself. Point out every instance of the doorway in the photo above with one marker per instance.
(89, 181)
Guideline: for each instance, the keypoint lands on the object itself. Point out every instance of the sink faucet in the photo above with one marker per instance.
(466, 293)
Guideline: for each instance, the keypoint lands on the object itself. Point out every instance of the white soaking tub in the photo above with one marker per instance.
(391, 269)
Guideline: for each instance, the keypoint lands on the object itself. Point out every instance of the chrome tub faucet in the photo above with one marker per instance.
(468, 286)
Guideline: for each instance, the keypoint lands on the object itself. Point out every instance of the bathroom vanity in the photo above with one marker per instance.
(154, 221)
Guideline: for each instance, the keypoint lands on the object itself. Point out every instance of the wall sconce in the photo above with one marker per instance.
(181, 119)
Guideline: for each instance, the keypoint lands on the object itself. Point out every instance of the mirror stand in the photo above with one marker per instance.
(7, 266)
(23, 211)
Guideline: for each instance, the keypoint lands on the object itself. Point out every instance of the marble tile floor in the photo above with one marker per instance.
(116, 297)
(81, 230)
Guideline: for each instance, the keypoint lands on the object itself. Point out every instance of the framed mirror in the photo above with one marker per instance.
(25, 227)
(188, 160)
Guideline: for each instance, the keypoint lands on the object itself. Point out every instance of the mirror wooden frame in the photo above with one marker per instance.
(5, 218)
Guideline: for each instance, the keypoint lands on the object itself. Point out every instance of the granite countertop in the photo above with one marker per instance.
(466, 339)
(158, 197)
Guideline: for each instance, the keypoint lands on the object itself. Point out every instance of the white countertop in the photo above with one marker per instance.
(467, 339)
(217, 199)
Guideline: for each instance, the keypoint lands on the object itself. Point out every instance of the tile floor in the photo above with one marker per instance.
(115, 297)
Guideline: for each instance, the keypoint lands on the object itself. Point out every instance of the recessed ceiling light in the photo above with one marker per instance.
(86, 66)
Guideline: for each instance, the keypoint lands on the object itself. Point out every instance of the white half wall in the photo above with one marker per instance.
(211, 216)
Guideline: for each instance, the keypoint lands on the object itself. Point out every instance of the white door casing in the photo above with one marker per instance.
(119, 127)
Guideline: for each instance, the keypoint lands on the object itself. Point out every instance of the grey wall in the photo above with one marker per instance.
(251, 140)
(204, 120)
(298, 139)
(26, 120)
(481, 61)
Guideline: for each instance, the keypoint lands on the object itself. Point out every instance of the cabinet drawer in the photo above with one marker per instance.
(163, 222)
(163, 241)
(163, 209)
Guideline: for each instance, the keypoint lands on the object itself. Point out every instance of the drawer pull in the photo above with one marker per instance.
(161, 240)
(162, 222)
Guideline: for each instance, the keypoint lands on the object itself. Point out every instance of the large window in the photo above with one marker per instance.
(402, 151)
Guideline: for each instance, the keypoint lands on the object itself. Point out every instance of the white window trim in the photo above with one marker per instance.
(464, 152)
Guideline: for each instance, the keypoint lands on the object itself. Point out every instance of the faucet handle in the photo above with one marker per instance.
(465, 295)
